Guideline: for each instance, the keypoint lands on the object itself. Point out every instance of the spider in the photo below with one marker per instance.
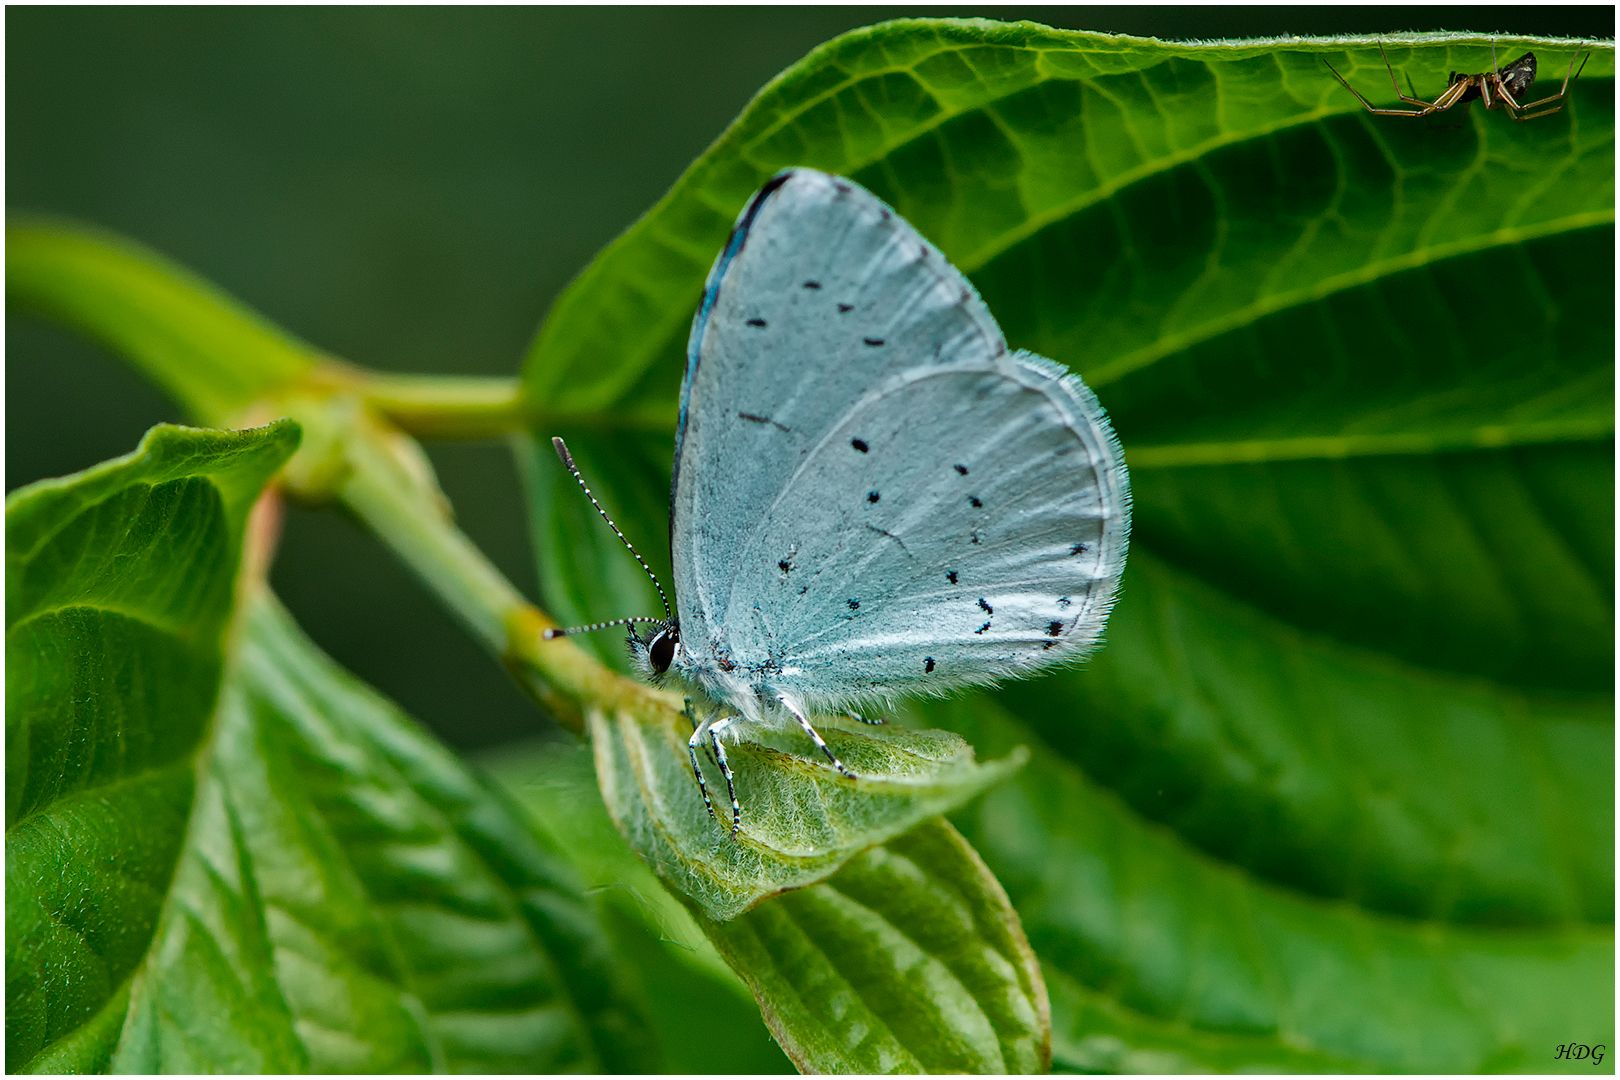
(1499, 86)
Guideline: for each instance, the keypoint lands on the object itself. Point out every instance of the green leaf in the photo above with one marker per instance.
(1116, 200)
(911, 944)
(706, 1020)
(350, 899)
(243, 860)
(909, 959)
(1337, 771)
(206, 350)
(119, 585)
(1205, 968)
(1362, 368)
(801, 818)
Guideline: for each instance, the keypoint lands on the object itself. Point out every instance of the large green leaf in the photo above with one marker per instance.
(119, 585)
(1363, 371)
(351, 899)
(240, 859)
(1203, 967)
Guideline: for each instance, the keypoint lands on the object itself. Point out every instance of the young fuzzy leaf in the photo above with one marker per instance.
(801, 818)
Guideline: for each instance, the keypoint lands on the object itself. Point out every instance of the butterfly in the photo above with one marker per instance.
(872, 495)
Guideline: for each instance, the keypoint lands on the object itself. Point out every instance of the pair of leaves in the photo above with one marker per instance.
(1358, 682)
(908, 959)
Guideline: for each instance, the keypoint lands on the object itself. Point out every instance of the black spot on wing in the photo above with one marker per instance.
(873, 341)
(950, 576)
(928, 664)
(973, 500)
(846, 307)
(961, 469)
(988, 610)
(757, 419)
(982, 629)
(812, 284)
(1053, 629)
(860, 444)
(756, 322)
(872, 496)
(784, 566)
(1078, 549)
(854, 605)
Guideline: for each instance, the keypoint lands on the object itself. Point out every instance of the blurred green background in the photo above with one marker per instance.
(410, 188)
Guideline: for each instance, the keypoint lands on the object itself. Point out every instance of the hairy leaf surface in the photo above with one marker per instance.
(801, 818)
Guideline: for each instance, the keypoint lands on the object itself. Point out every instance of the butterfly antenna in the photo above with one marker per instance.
(568, 460)
(564, 631)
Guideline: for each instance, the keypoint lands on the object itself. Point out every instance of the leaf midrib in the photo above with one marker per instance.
(175, 630)
(1335, 447)
(1180, 341)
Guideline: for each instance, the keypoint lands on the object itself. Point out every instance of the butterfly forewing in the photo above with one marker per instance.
(872, 494)
(804, 315)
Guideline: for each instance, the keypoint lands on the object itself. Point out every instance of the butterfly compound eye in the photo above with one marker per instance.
(661, 650)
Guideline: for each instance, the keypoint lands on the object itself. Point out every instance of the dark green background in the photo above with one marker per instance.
(410, 189)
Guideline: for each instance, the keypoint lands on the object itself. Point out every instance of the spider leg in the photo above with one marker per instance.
(1369, 106)
(1414, 99)
(815, 737)
(1449, 97)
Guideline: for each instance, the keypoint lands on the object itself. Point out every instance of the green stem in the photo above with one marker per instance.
(392, 492)
(447, 407)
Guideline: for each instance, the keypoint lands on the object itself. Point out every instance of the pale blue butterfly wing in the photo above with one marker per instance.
(872, 495)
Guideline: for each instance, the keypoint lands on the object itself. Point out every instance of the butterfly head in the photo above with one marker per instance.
(654, 654)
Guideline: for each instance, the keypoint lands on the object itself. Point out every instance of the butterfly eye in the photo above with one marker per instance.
(661, 650)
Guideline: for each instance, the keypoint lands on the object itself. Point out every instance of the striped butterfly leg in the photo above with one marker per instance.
(815, 737)
(699, 731)
(875, 721)
(725, 770)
